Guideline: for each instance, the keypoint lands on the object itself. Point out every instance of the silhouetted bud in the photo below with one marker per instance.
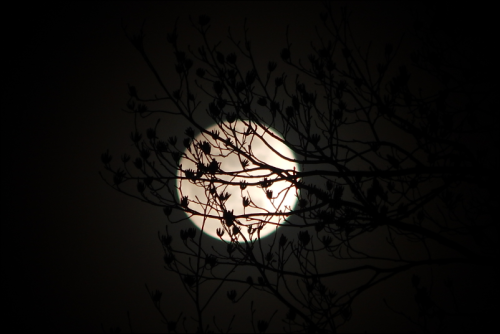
(250, 77)
(228, 217)
(156, 296)
(177, 94)
(231, 58)
(119, 176)
(176, 156)
(266, 183)
(184, 235)
(283, 240)
(190, 280)
(145, 153)
(243, 184)
(191, 232)
(189, 132)
(244, 163)
(218, 87)
(295, 102)
(275, 106)
(166, 240)
(161, 146)
(250, 280)
(213, 110)
(142, 108)
(172, 140)
(168, 258)
(131, 105)
(285, 54)
(231, 295)
(211, 261)
(213, 167)
(315, 138)
(167, 210)
(262, 101)
(393, 161)
(304, 238)
(205, 147)
(138, 163)
(302, 203)
(220, 57)
(236, 230)
(106, 157)
(140, 187)
(240, 86)
(132, 91)
(269, 194)
(246, 201)
(220, 232)
(326, 240)
(203, 20)
(135, 136)
(339, 191)
(224, 196)
(200, 72)
(262, 326)
(342, 105)
(186, 142)
(231, 117)
(184, 201)
(319, 226)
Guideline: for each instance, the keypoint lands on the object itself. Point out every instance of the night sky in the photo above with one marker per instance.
(75, 253)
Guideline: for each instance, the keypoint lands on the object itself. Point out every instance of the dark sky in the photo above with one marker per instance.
(75, 253)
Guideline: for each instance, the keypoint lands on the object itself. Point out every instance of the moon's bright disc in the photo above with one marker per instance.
(284, 194)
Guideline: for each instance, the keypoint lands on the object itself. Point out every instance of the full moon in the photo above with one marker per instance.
(242, 199)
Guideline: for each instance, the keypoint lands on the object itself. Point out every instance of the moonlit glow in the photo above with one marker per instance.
(253, 220)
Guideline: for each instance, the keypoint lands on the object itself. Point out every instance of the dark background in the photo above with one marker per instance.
(75, 253)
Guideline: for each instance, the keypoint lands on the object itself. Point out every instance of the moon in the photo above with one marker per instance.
(259, 198)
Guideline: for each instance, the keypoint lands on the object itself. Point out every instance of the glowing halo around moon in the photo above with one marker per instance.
(197, 188)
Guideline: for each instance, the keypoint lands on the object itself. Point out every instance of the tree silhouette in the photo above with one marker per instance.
(392, 173)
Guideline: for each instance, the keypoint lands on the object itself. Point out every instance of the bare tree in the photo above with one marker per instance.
(391, 176)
